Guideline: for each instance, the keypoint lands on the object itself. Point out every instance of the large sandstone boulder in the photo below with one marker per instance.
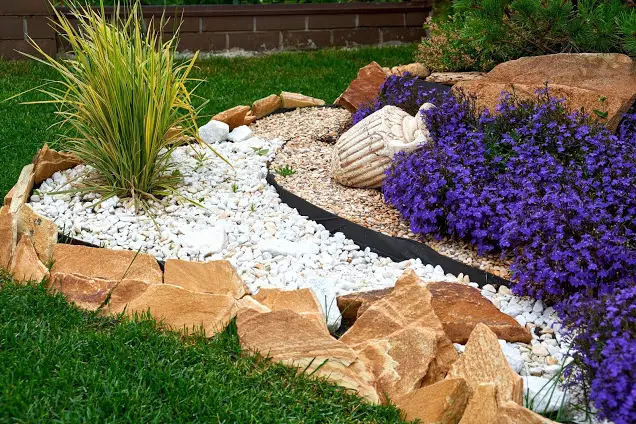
(25, 264)
(215, 277)
(592, 81)
(41, 231)
(484, 362)
(266, 105)
(364, 89)
(292, 100)
(298, 341)
(302, 301)
(482, 408)
(402, 340)
(48, 161)
(513, 413)
(441, 403)
(234, 117)
(8, 236)
(352, 303)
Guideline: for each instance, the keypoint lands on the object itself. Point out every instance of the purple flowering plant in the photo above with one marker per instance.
(556, 192)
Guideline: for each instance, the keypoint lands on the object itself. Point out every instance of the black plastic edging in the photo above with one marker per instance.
(397, 248)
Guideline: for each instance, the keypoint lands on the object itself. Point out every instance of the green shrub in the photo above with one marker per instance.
(480, 34)
(119, 95)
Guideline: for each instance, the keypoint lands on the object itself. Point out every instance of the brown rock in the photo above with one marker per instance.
(234, 117)
(215, 277)
(351, 305)
(402, 339)
(452, 78)
(364, 89)
(291, 100)
(440, 403)
(48, 161)
(20, 192)
(484, 362)
(266, 105)
(25, 264)
(181, 309)
(592, 81)
(105, 264)
(9, 196)
(292, 339)
(8, 236)
(303, 301)
(249, 119)
(482, 407)
(512, 413)
(414, 69)
(42, 231)
(460, 308)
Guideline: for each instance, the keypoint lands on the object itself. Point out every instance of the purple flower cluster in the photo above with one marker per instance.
(546, 186)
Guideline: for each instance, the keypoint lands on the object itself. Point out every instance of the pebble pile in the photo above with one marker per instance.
(241, 218)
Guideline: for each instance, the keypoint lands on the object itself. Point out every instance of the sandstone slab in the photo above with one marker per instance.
(49, 161)
(354, 304)
(441, 403)
(215, 277)
(8, 236)
(484, 362)
(25, 264)
(302, 301)
(19, 193)
(452, 78)
(41, 231)
(482, 408)
(234, 117)
(605, 83)
(364, 89)
(292, 100)
(266, 105)
(513, 413)
(412, 69)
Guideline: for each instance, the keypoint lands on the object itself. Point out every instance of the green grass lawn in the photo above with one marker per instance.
(226, 83)
(61, 364)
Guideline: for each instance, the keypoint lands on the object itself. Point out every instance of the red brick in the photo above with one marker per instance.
(11, 28)
(265, 23)
(8, 48)
(24, 7)
(332, 21)
(346, 37)
(255, 41)
(39, 27)
(206, 42)
(306, 39)
(228, 23)
(415, 18)
(381, 20)
(403, 34)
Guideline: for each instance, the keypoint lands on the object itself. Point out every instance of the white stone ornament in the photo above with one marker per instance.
(364, 152)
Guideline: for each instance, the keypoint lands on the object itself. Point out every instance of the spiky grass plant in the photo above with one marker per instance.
(123, 98)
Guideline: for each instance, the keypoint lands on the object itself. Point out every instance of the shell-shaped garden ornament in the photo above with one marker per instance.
(365, 151)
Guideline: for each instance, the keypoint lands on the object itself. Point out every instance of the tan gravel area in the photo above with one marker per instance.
(309, 134)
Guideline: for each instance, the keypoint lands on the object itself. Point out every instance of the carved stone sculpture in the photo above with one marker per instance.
(365, 151)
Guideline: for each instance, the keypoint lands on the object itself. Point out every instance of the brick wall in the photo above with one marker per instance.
(22, 18)
(249, 27)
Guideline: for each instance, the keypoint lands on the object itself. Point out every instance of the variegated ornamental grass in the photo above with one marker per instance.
(120, 96)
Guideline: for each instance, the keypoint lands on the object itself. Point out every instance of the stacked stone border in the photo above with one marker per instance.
(216, 28)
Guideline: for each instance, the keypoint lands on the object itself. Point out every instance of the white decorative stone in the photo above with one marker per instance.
(288, 248)
(207, 241)
(325, 291)
(513, 356)
(365, 151)
(543, 395)
(214, 132)
(239, 134)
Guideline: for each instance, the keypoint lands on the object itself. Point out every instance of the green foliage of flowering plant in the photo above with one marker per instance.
(123, 101)
(480, 34)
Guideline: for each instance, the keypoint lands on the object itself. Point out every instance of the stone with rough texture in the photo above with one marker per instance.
(9, 196)
(413, 69)
(266, 106)
(42, 231)
(364, 89)
(250, 118)
(512, 413)
(402, 340)
(292, 100)
(19, 193)
(25, 264)
(484, 362)
(8, 236)
(239, 134)
(460, 308)
(295, 340)
(482, 407)
(592, 81)
(364, 152)
(351, 303)
(181, 309)
(48, 161)
(215, 277)
(441, 403)
(234, 117)
(214, 132)
(302, 301)
(452, 78)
